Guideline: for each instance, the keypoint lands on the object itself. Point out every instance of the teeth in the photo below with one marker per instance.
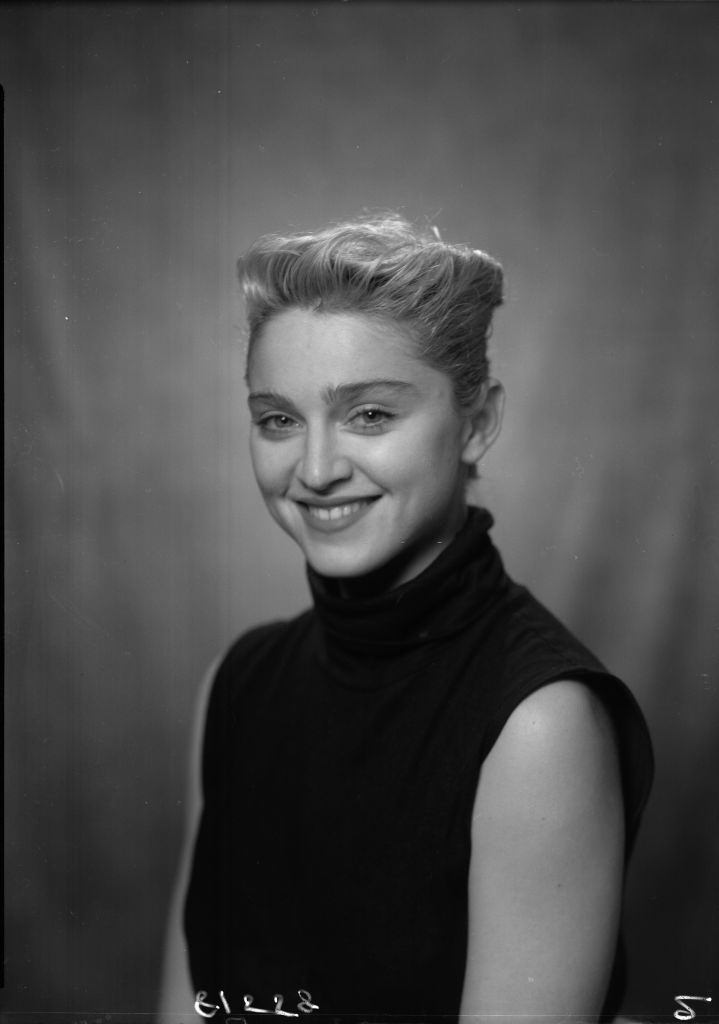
(336, 512)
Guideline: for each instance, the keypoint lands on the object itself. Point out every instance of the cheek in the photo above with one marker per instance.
(438, 446)
(268, 463)
(423, 460)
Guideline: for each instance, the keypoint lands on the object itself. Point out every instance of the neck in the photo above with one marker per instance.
(404, 567)
(379, 620)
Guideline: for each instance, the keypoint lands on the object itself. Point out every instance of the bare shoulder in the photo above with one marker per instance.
(561, 716)
(556, 749)
(547, 859)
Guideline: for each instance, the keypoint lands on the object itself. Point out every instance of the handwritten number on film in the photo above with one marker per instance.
(687, 1012)
(207, 1009)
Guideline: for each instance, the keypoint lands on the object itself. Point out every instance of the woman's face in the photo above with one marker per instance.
(356, 444)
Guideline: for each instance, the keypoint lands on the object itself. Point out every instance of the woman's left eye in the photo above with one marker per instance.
(370, 420)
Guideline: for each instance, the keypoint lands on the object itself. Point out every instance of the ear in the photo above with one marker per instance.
(483, 422)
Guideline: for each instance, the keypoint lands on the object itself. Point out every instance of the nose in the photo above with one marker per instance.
(322, 464)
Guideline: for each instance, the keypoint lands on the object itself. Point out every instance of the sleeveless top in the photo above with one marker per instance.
(340, 765)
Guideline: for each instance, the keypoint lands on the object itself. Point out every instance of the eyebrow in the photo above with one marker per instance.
(338, 393)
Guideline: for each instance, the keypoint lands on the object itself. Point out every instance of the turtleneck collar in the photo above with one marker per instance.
(450, 593)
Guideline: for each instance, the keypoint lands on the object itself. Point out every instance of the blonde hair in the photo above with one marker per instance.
(384, 267)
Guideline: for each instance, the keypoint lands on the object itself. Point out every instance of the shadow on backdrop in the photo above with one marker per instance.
(146, 146)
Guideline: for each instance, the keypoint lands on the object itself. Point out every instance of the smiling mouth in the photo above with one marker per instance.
(336, 513)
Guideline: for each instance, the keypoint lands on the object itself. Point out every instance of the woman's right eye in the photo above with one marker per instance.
(276, 423)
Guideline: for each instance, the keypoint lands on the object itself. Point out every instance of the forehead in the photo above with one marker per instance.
(334, 345)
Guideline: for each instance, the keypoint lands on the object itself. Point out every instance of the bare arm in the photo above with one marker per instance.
(547, 860)
(177, 995)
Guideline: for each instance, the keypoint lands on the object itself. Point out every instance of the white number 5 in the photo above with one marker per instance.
(686, 1012)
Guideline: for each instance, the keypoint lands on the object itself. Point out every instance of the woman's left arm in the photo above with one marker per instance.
(546, 870)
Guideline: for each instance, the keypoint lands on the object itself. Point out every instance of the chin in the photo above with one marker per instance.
(368, 573)
(341, 564)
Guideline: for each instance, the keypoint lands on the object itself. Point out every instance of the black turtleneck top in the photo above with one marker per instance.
(341, 760)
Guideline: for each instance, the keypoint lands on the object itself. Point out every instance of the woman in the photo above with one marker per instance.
(418, 796)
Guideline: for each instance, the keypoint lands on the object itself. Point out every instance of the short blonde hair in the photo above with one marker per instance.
(386, 268)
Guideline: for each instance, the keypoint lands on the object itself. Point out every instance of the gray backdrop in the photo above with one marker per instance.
(146, 146)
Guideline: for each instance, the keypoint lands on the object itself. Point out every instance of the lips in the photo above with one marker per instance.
(336, 515)
(335, 511)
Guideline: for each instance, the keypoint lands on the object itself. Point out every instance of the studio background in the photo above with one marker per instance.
(145, 147)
